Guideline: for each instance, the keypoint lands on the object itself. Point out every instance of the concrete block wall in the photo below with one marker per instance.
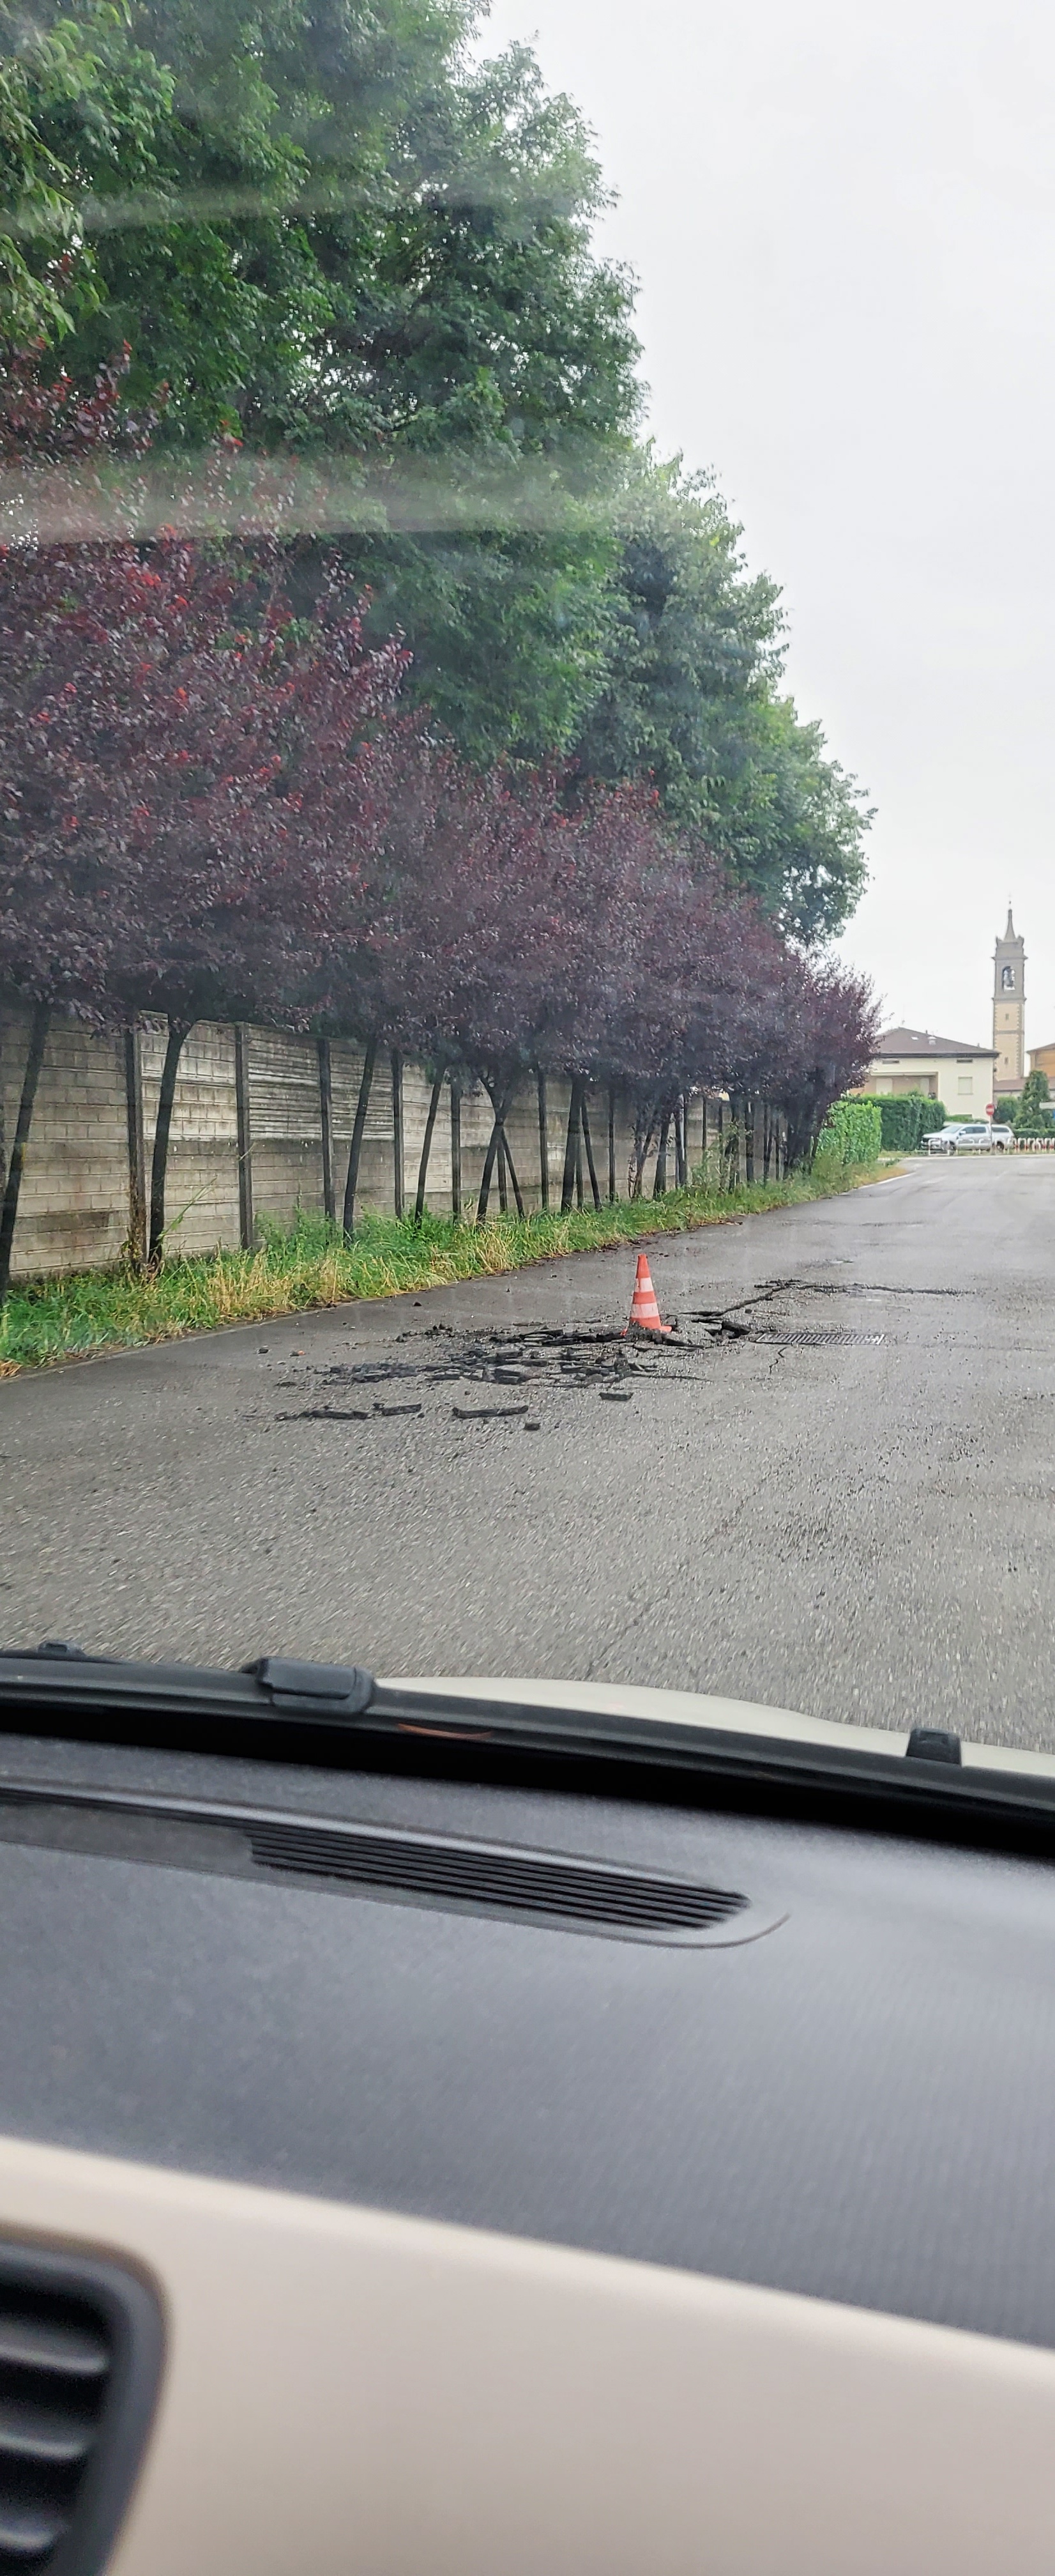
(74, 1211)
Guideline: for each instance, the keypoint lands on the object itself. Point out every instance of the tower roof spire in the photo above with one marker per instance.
(1010, 931)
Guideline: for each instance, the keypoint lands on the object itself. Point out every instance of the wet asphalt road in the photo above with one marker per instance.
(847, 1510)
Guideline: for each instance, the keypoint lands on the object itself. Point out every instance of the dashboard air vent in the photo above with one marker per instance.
(80, 2352)
(492, 1878)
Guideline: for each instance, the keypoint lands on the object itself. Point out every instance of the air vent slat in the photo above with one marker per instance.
(28, 2533)
(80, 2351)
(515, 1881)
(31, 2344)
(29, 2432)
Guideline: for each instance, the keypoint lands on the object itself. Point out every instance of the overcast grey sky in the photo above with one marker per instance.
(842, 218)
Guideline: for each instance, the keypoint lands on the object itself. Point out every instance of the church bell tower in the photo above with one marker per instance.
(1009, 1012)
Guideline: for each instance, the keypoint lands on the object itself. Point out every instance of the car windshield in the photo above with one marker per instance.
(523, 845)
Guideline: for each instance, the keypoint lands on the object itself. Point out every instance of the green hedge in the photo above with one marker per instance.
(907, 1117)
(852, 1130)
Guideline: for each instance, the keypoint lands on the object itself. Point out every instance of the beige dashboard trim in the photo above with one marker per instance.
(348, 2393)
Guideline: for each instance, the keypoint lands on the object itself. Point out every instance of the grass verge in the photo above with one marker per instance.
(80, 1312)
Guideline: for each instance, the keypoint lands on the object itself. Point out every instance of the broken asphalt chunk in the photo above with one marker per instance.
(323, 1413)
(487, 1412)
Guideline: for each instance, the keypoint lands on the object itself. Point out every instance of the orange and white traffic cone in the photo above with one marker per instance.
(644, 1307)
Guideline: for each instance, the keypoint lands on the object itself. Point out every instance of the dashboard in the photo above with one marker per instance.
(521, 2179)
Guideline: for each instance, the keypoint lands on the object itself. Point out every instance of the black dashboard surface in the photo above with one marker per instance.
(859, 2105)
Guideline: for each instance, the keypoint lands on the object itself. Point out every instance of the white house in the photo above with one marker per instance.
(942, 1068)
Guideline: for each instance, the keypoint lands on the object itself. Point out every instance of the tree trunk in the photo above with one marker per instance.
(178, 1033)
(767, 1138)
(456, 1146)
(506, 1170)
(750, 1114)
(38, 1032)
(397, 1133)
(681, 1141)
(137, 1156)
(703, 1147)
(568, 1182)
(423, 1167)
(329, 1202)
(543, 1142)
(511, 1170)
(358, 1131)
(245, 1139)
(642, 1148)
(485, 1177)
(611, 1145)
(584, 1121)
(659, 1185)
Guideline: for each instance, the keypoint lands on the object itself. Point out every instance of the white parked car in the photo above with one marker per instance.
(975, 1136)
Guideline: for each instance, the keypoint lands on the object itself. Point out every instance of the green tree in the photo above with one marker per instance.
(79, 76)
(334, 235)
(692, 695)
(1032, 1116)
(330, 230)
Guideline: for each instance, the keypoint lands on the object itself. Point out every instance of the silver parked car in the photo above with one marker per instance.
(976, 1136)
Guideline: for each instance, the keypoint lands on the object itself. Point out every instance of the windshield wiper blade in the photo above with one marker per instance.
(60, 1675)
(925, 1781)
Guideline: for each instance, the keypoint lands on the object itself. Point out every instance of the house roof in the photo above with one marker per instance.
(924, 1042)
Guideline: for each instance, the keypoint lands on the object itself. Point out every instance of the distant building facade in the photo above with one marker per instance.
(1009, 1012)
(945, 1069)
(1042, 1060)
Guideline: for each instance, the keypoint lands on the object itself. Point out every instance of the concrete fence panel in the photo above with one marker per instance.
(251, 1122)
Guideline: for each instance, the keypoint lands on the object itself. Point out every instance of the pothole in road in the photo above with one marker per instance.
(520, 1361)
(517, 1362)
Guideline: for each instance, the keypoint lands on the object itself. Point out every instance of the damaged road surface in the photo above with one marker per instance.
(831, 1489)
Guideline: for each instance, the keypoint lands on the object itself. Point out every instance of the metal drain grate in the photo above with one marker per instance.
(820, 1337)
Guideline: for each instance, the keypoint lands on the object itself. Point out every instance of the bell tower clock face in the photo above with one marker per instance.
(1009, 1010)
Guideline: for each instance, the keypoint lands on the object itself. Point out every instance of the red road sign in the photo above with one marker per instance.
(990, 1109)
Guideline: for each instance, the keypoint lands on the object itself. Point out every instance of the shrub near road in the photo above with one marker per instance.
(907, 1120)
(853, 1130)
